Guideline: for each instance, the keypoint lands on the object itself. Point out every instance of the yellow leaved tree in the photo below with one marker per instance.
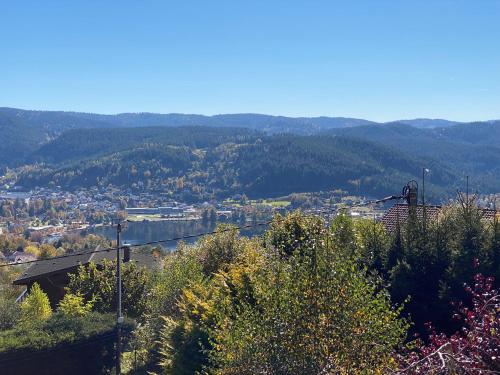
(36, 307)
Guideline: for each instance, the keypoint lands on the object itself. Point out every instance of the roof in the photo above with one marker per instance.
(399, 213)
(20, 256)
(67, 264)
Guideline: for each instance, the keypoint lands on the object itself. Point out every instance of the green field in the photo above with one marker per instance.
(278, 203)
(253, 202)
(138, 218)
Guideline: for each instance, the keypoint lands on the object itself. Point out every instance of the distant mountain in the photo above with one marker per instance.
(426, 123)
(477, 133)
(467, 149)
(17, 140)
(60, 121)
(51, 121)
(67, 144)
(270, 124)
(427, 141)
(22, 131)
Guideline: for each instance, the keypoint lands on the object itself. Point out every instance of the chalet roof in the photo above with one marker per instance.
(67, 264)
(399, 213)
(20, 256)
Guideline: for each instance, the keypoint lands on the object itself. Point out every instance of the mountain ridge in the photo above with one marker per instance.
(73, 149)
(173, 119)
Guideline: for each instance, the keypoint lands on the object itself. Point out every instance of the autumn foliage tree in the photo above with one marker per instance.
(297, 302)
(98, 286)
(36, 307)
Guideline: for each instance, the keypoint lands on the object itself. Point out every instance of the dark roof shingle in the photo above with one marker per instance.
(52, 266)
(399, 214)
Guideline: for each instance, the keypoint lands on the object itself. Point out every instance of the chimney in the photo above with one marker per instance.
(410, 193)
(413, 196)
(126, 254)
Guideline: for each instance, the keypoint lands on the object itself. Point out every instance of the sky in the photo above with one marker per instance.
(378, 60)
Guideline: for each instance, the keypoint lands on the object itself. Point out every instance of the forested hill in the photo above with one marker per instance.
(79, 144)
(201, 162)
(194, 163)
(475, 133)
(23, 131)
(467, 149)
(57, 121)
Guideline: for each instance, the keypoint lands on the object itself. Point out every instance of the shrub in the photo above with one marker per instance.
(475, 349)
(36, 307)
(74, 305)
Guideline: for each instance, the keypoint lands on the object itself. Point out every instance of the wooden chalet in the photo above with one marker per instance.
(53, 274)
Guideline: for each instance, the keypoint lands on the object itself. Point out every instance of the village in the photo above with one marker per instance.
(45, 214)
(51, 276)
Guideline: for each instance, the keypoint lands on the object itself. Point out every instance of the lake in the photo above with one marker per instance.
(146, 231)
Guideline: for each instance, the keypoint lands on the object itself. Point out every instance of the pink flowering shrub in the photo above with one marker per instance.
(475, 349)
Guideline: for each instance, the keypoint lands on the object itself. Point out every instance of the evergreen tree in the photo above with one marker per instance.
(396, 249)
(495, 249)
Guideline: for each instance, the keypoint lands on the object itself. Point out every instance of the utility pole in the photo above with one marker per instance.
(467, 190)
(424, 211)
(119, 316)
(423, 187)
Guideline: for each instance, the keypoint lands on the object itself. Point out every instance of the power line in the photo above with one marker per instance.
(368, 203)
(118, 247)
(233, 228)
(57, 257)
(191, 236)
(229, 229)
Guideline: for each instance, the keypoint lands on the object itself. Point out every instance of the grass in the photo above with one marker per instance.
(139, 218)
(274, 203)
(143, 217)
(278, 203)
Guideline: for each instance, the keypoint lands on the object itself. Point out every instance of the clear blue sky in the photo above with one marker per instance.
(380, 60)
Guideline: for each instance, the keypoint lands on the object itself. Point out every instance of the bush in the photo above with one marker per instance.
(61, 345)
(74, 305)
(475, 349)
(301, 304)
(98, 284)
(36, 307)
